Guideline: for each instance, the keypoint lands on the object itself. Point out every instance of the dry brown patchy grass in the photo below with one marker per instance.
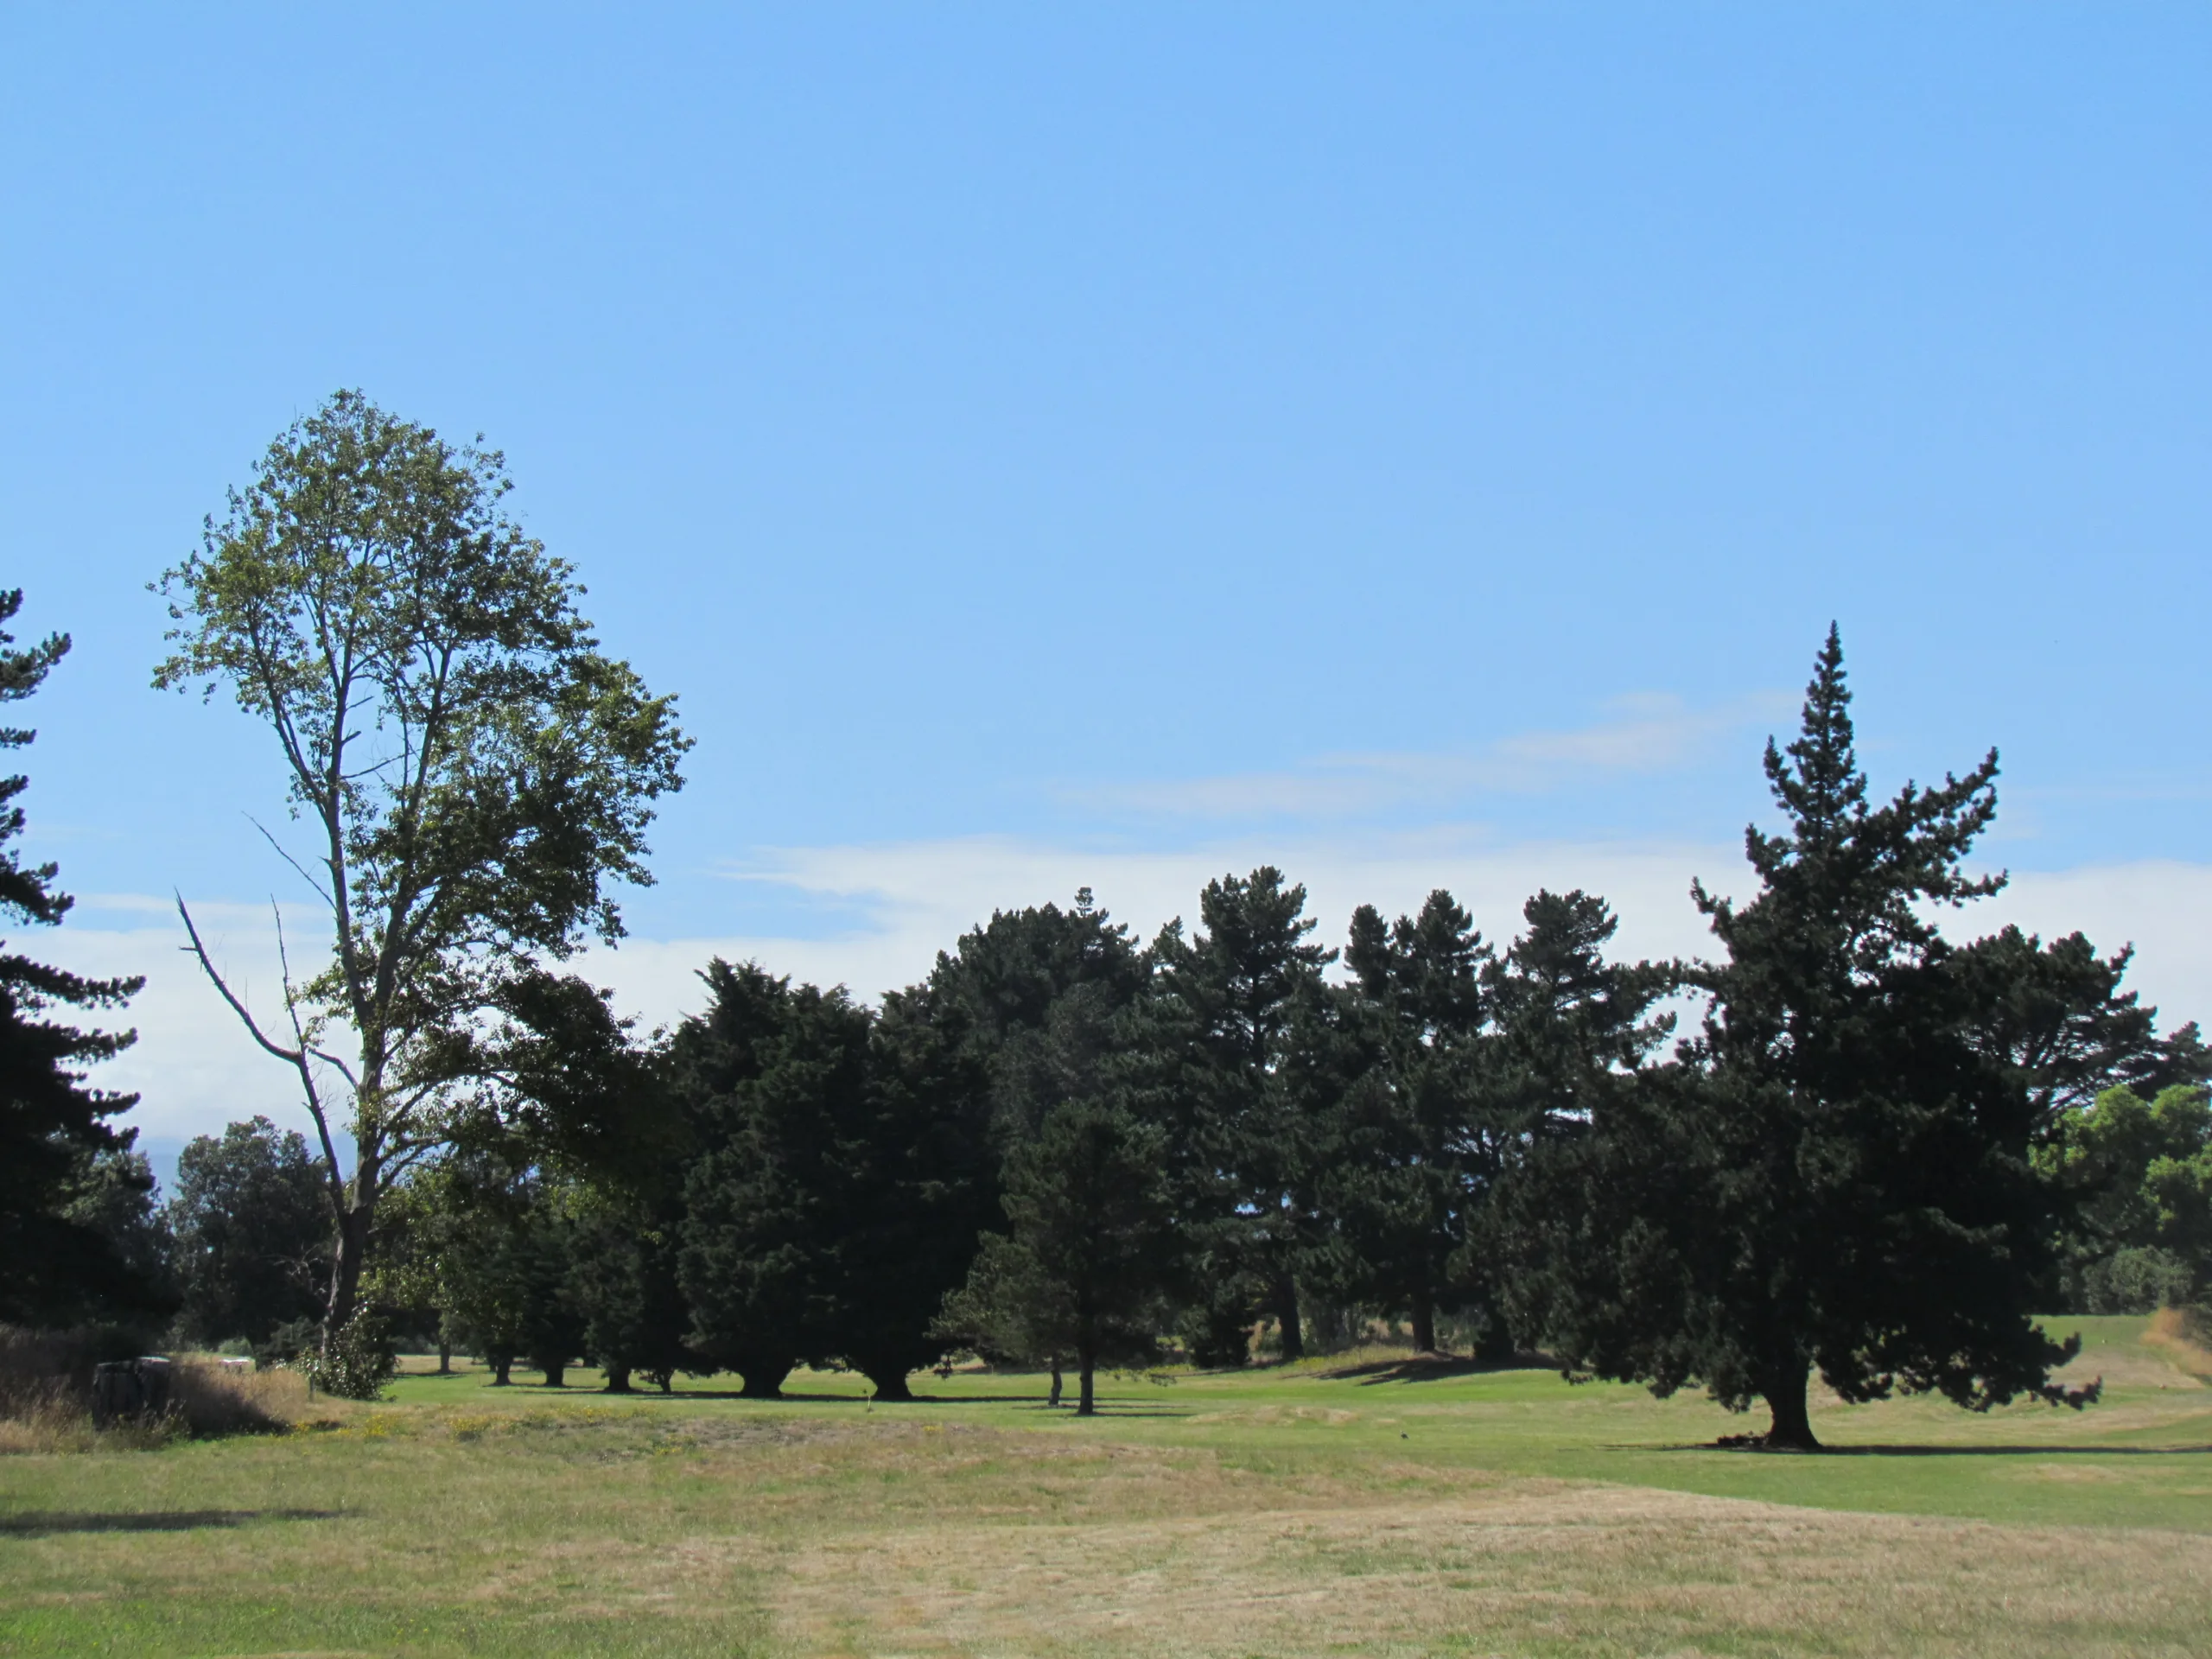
(2179, 1334)
(1526, 1567)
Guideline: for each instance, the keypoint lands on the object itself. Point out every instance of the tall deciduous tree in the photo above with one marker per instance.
(252, 1229)
(472, 772)
(1839, 1180)
(51, 1125)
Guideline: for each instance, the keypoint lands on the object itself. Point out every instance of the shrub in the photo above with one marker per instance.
(2136, 1279)
(356, 1362)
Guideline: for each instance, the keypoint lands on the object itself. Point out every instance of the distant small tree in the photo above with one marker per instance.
(252, 1228)
(622, 1280)
(2143, 1171)
(53, 1127)
(1094, 1253)
(1011, 1312)
(508, 1256)
(474, 773)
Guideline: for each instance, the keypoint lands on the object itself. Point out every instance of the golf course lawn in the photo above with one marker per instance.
(1334, 1507)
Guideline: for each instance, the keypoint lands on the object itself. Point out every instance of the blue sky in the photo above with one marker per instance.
(1045, 444)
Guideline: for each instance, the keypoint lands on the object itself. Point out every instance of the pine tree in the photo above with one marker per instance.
(1571, 1035)
(51, 1124)
(1043, 999)
(1405, 1173)
(1244, 1078)
(1837, 1177)
(1093, 1251)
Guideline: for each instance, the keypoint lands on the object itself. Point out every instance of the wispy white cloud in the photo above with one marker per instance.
(197, 1069)
(194, 1064)
(1646, 732)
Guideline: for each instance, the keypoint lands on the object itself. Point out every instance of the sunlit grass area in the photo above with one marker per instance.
(1361, 1504)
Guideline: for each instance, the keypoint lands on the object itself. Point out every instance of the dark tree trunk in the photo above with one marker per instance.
(501, 1364)
(347, 1258)
(618, 1379)
(445, 1357)
(764, 1379)
(1055, 1398)
(890, 1384)
(1495, 1347)
(665, 1381)
(555, 1370)
(1294, 1334)
(351, 1254)
(1793, 1423)
(1086, 1399)
(1424, 1320)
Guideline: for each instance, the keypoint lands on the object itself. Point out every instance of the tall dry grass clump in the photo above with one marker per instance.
(45, 1379)
(2185, 1333)
(46, 1387)
(209, 1398)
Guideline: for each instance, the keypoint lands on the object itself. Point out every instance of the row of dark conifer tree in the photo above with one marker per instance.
(1068, 1148)
(1847, 1145)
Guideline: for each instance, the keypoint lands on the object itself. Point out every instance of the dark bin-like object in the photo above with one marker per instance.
(129, 1390)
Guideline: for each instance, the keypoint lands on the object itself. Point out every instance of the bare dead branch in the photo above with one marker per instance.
(298, 1059)
(288, 858)
(289, 1055)
(307, 1074)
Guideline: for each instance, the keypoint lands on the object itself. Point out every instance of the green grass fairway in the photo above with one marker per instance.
(1294, 1511)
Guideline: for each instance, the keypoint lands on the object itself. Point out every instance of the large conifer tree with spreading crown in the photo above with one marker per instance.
(1836, 1175)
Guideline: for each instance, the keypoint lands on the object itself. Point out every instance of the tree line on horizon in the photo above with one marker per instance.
(1846, 1147)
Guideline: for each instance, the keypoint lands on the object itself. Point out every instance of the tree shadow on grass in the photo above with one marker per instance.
(641, 1396)
(1106, 1410)
(1437, 1368)
(1928, 1451)
(41, 1523)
